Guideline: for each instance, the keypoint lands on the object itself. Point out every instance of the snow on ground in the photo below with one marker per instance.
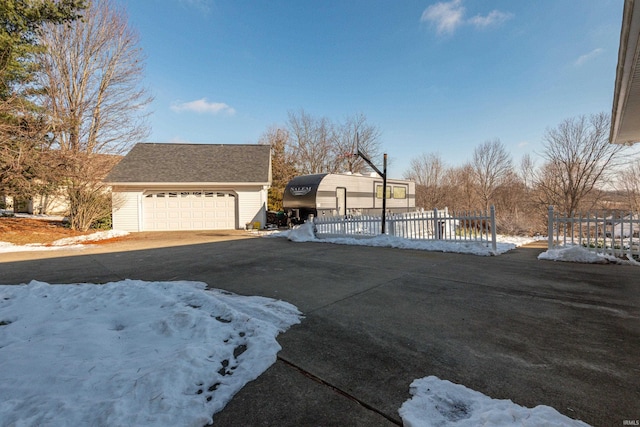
(77, 242)
(9, 212)
(304, 233)
(131, 352)
(441, 403)
(581, 254)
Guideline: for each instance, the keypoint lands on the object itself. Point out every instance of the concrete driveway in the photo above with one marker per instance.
(512, 327)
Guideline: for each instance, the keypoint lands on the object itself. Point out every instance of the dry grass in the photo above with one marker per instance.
(22, 231)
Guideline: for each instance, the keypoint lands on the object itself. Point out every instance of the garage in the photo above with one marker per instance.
(164, 187)
(188, 210)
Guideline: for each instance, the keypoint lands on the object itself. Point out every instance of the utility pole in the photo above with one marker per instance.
(383, 175)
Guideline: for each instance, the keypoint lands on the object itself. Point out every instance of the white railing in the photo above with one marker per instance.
(426, 225)
(607, 233)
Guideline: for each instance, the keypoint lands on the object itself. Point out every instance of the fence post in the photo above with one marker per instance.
(391, 225)
(550, 229)
(436, 227)
(494, 244)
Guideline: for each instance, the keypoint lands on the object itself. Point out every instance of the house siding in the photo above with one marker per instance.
(126, 210)
(252, 206)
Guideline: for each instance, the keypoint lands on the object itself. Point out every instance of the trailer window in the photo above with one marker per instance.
(379, 192)
(399, 192)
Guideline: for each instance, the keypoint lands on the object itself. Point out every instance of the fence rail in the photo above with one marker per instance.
(611, 233)
(427, 225)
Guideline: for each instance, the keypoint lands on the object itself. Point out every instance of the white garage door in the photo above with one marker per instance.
(188, 210)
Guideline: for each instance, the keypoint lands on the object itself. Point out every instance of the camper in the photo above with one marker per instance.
(330, 194)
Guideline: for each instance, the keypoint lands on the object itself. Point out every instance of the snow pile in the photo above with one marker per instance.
(441, 403)
(76, 242)
(300, 233)
(131, 352)
(305, 233)
(578, 254)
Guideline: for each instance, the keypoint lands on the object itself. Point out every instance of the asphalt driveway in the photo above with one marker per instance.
(512, 327)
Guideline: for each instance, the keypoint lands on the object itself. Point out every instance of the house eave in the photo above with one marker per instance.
(625, 125)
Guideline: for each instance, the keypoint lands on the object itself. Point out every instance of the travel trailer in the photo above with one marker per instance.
(330, 194)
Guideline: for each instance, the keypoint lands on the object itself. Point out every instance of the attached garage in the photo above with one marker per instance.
(164, 187)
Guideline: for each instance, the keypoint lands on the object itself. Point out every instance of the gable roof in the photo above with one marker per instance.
(201, 163)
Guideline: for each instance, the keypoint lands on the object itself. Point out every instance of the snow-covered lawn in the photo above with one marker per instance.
(130, 353)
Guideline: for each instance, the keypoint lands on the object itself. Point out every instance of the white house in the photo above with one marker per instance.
(190, 187)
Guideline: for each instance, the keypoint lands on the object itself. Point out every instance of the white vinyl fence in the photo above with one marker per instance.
(425, 225)
(610, 233)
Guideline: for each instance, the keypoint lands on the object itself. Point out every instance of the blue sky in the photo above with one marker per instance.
(439, 77)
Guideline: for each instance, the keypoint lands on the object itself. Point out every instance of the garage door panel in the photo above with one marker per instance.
(189, 210)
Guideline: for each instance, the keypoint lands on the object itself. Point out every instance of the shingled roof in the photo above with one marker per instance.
(183, 163)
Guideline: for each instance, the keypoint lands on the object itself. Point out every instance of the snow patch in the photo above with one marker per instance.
(441, 403)
(305, 233)
(131, 352)
(302, 233)
(578, 254)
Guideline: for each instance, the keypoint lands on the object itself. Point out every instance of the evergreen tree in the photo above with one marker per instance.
(24, 161)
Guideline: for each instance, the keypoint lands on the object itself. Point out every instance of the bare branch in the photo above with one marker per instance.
(92, 71)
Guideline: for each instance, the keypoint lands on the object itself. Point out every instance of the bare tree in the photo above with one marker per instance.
(578, 159)
(282, 164)
(312, 143)
(319, 145)
(491, 165)
(629, 184)
(459, 187)
(527, 170)
(92, 73)
(514, 213)
(355, 133)
(428, 171)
